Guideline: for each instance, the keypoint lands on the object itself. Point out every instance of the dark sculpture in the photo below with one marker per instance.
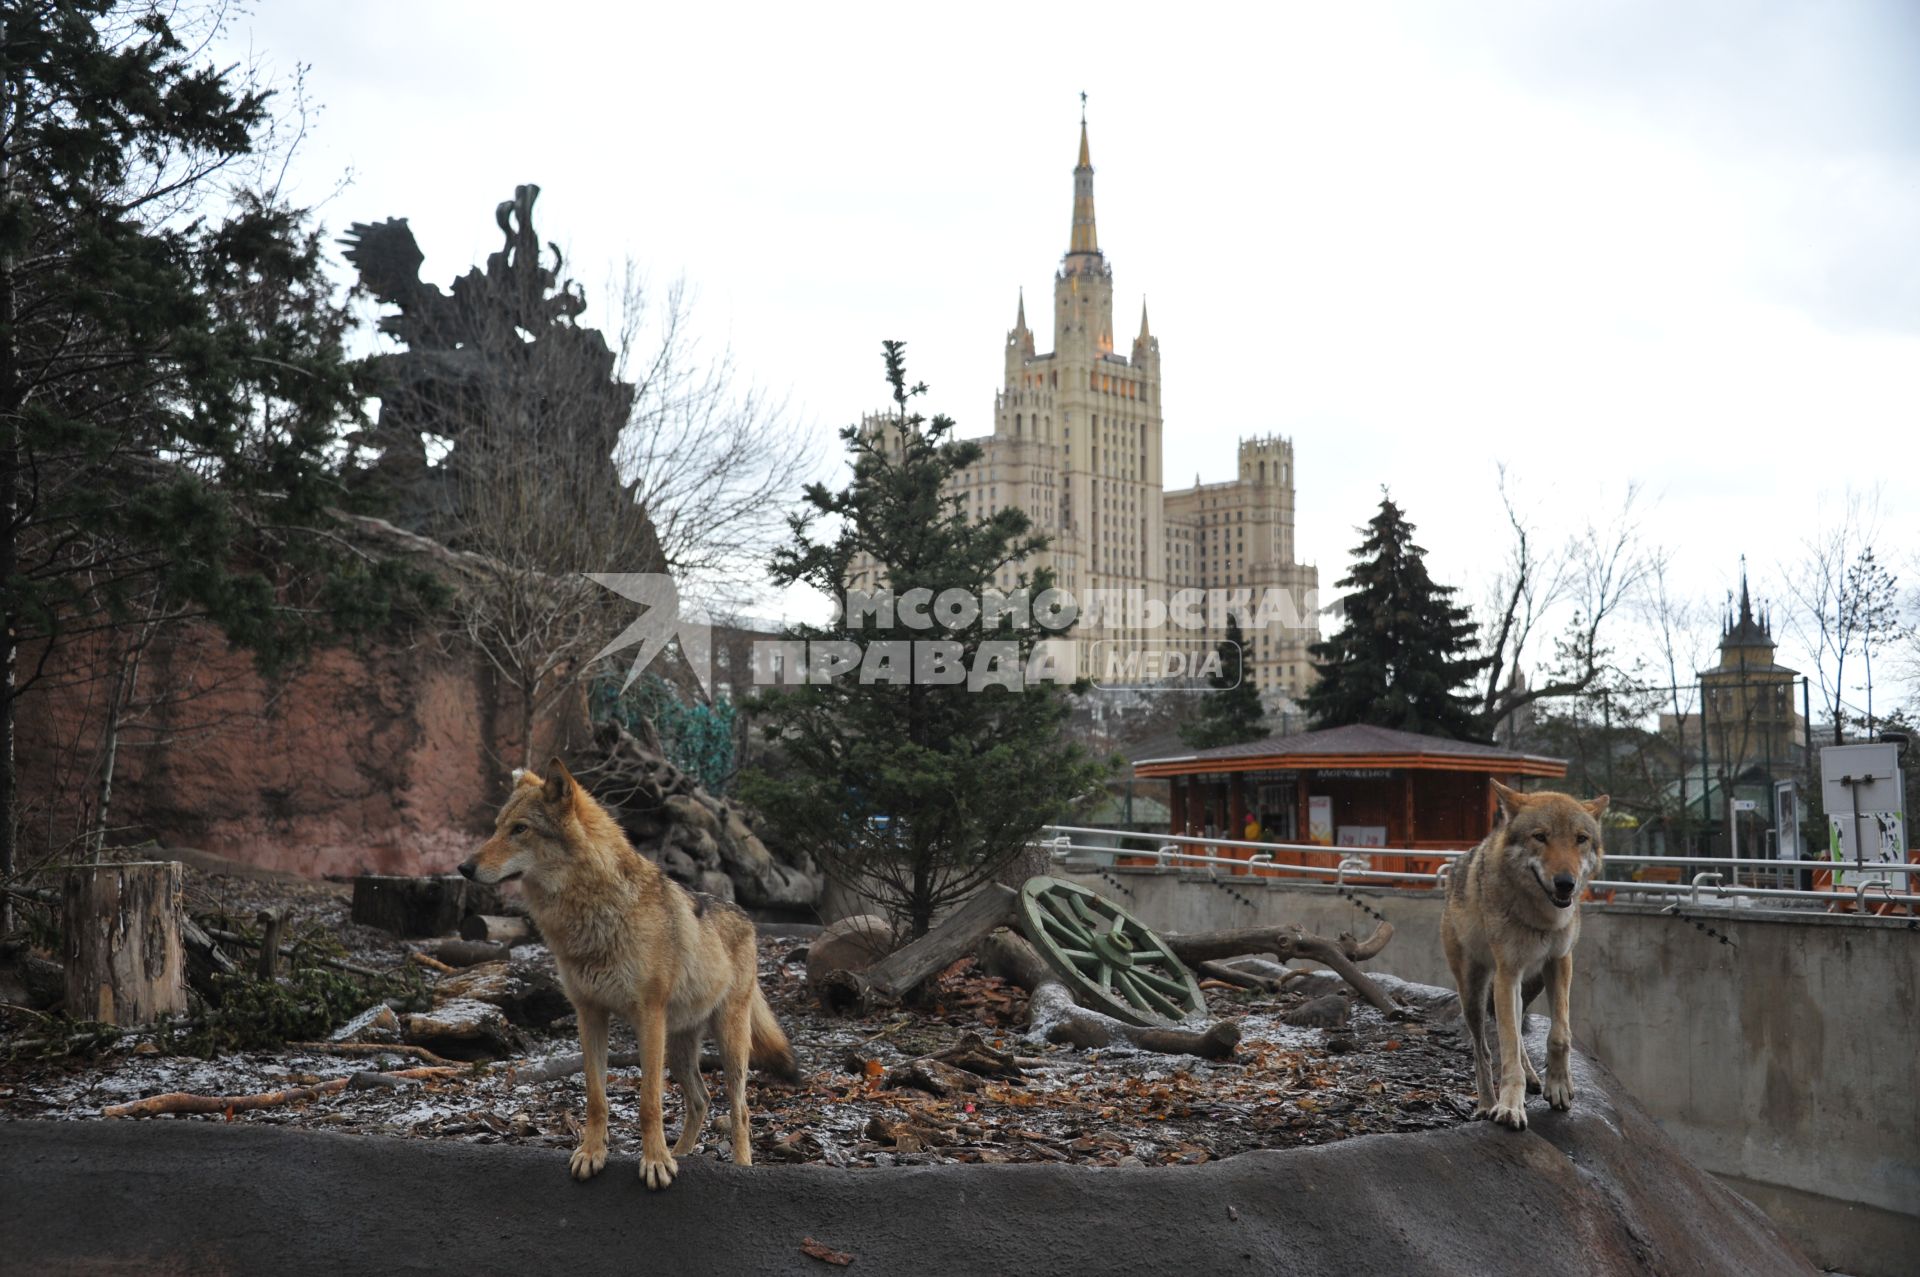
(499, 362)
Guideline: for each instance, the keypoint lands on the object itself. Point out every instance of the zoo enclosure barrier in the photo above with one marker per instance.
(1705, 878)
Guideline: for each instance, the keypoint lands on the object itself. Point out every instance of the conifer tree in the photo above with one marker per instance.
(171, 367)
(1231, 713)
(912, 791)
(1403, 657)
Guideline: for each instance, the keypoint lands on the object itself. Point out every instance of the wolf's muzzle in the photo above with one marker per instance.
(466, 869)
(1563, 885)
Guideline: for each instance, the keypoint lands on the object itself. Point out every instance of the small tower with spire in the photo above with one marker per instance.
(1745, 638)
(1146, 347)
(1751, 707)
(1019, 340)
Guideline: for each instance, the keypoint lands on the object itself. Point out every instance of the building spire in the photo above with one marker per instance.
(1746, 602)
(1144, 334)
(1020, 320)
(1085, 240)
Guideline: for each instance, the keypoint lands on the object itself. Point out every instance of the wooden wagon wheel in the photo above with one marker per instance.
(1108, 957)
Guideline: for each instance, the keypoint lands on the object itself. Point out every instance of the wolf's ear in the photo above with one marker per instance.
(1596, 805)
(1509, 799)
(559, 782)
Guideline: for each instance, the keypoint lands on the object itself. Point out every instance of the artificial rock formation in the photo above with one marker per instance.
(707, 843)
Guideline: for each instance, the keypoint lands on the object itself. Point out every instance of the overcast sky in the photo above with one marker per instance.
(1656, 241)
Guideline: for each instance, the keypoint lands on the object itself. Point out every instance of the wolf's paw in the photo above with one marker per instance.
(1511, 1116)
(1481, 1112)
(588, 1160)
(658, 1173)
(1560, 1093)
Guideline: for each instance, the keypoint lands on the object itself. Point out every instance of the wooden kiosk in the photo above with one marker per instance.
(1344, 787)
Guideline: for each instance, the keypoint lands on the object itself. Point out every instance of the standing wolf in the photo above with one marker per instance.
(1511, 920)
(630, 942)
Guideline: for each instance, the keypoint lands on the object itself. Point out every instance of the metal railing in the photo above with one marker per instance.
(1355, 867)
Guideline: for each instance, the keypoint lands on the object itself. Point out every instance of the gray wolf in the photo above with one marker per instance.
(1512, 917)
(630, 942)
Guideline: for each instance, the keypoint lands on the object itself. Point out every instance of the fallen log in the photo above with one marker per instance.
(556, 1067)
(205, 959)
(896, 975)
(465, 1029)
(1057, 1017)
(1287, 944)
(1237, 978)
(186, 1102)
(467, 953)
(1053, 1014)
(854, 943)
(495, 928)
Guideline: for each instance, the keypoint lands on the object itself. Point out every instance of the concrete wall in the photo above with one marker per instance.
(1786, 1061)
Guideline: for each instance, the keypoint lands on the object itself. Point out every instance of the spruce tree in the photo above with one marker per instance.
(1405, 653)
(914, 792)
(1231, 713)
(172, 376)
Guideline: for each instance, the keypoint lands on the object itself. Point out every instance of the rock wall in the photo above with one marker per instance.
(377, 760)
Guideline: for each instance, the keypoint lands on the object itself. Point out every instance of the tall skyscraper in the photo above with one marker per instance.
(1078, 444)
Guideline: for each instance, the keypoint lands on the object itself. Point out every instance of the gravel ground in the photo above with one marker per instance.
(1285, 1086)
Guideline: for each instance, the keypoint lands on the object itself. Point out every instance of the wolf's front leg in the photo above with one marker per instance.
(657, 1167)
(1559, 1086)
(591, 1156)
(1472, 983)
(1510, 1109)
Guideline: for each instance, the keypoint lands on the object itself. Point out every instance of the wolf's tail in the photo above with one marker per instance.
(770, 1052)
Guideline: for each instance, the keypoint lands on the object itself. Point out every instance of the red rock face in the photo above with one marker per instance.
(379, 761)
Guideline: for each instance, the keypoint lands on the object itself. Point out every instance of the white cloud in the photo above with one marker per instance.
(1605, 242)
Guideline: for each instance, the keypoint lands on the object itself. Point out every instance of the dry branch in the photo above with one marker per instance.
(431, 964)
(1237, 978)
(376, 1048)
(287, 951)
(1288, 943)
(186, 1102)
(559, 1066)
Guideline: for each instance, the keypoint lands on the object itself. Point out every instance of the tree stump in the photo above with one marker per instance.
(416, 908)
(125, 963)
